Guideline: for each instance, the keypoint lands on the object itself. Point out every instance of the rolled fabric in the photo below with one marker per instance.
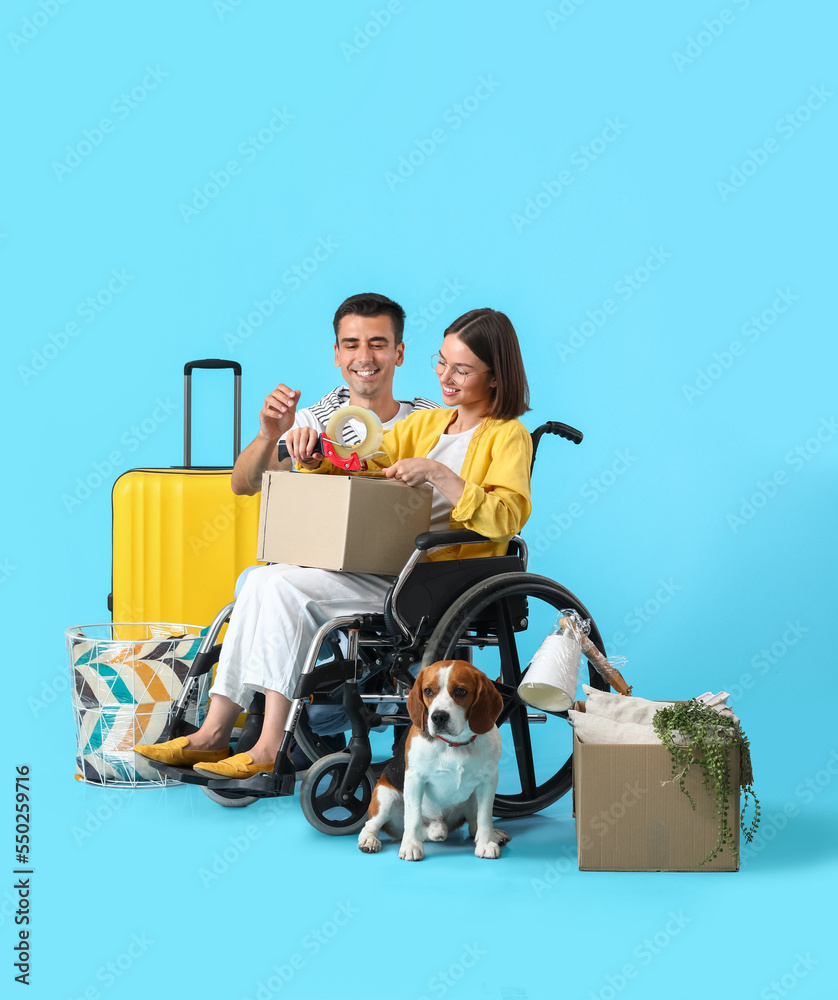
(619, 708)
(599, 729)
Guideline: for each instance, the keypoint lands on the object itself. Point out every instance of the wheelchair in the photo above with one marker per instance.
(490, 611)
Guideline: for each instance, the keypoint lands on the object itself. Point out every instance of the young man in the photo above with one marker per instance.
(368, 349)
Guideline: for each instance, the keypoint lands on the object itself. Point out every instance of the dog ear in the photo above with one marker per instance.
(485, 708)
(416, 702)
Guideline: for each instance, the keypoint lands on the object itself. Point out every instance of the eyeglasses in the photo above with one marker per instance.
(458, 376)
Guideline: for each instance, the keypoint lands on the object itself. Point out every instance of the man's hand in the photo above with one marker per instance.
(412, 471)
(277, 415)
(301, 443)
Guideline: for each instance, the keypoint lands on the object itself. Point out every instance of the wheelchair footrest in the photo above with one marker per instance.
(184, 774)
(266, 784)
(325, 678)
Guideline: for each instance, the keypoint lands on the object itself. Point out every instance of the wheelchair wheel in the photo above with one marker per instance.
(318, 797)
(504, 619)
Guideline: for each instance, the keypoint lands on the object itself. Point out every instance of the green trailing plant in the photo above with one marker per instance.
(694, 733)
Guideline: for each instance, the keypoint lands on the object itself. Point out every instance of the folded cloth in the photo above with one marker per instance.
(600, 729)
(621, 708)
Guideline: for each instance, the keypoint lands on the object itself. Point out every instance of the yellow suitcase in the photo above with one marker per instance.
(180, 535)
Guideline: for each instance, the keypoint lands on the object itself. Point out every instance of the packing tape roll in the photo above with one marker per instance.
(373, 431)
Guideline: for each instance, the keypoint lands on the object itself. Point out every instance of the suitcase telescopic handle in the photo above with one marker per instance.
(187, 404)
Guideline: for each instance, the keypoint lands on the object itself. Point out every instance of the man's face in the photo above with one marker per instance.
(367, 355)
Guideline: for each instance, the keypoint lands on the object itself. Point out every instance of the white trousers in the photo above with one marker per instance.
(277, 614)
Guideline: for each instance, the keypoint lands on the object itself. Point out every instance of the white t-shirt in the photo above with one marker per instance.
(450, 451)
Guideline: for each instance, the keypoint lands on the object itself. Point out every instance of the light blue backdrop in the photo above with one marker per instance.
(647, 190)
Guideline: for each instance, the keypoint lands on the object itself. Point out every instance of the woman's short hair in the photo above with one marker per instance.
(491, 336)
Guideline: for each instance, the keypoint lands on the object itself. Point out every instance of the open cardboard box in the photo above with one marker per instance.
(631, 817)
(358, 524)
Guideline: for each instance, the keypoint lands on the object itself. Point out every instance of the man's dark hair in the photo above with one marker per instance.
(491, 336)
(372, 304)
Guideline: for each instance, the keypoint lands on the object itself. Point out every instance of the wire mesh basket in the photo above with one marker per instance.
(126, 676)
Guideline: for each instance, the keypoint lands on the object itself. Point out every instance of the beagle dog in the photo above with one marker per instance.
(448, 772)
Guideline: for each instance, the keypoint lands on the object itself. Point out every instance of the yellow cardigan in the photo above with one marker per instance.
(496, 468)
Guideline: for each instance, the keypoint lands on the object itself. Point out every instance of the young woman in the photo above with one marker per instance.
(476, 456)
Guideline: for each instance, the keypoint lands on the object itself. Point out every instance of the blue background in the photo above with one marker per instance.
(602, 140)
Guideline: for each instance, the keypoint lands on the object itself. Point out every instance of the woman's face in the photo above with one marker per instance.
(465, 380)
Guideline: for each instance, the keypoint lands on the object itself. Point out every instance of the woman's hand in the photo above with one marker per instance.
(413, 471)
(301, 443)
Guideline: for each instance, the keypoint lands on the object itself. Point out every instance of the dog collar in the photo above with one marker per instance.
(451, 743)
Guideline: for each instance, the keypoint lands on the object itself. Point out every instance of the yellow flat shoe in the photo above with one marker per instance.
(239, 766)
(175, 752)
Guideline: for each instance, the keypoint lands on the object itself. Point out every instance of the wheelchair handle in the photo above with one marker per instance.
(554, 427)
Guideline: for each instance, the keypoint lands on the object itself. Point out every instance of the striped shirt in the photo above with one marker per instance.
(317, 416)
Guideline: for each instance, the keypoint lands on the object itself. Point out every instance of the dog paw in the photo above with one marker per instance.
(437, 831)
(500, 837)
(487, 849)
(369, 843)
(410, 851)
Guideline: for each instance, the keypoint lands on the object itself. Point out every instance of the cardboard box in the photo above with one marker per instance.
(627, 819)
(358, 524)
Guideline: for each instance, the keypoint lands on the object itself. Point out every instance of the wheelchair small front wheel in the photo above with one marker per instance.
(318, 797)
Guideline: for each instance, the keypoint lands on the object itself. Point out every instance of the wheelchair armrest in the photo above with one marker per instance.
(432, 539)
